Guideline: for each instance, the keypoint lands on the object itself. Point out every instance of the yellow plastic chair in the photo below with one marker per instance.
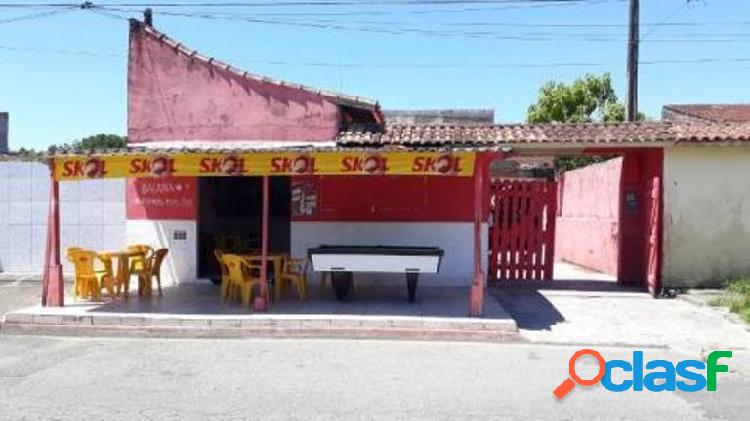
(242, 276)
(87, 282)
(107, 278)
(224, 274)
(293, 273)
(139, 257)
(68, 255)
(153, 272)
(123, 274)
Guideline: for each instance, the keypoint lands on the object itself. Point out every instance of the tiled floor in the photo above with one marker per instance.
(194, 298)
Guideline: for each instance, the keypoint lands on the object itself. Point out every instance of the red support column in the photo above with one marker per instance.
(261, 303)
(53, 289)
(477, 284)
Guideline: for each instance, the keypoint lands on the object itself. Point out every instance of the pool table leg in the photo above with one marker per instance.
(411, 285)
(342, 283)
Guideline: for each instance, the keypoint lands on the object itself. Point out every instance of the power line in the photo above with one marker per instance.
(375, 65)
(665, 20)
(318, 3)
(313, 24)
(59, 51)
(244, 16)
(38, 15)
(130, 8)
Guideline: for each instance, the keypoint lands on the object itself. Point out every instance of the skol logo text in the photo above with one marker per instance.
(443, 164)
(228, 164)
(159, 166)
(370, 164)
(301, 164)
(653, 376)
(91, 168)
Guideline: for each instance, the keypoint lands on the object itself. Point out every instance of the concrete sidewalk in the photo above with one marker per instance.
(599, 313)
(194, 310)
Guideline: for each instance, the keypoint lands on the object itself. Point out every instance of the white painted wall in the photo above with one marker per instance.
(92, 215)
(181, 262)
(706, 215)
(456, 239)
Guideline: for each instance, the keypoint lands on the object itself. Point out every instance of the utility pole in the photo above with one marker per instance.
(633, 40)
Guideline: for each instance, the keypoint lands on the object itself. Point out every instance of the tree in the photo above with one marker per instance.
(97, 141)
(589, 98)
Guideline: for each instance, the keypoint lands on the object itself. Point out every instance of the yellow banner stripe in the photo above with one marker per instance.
(266, 163)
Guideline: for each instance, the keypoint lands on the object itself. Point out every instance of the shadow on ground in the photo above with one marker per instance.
(533, 311)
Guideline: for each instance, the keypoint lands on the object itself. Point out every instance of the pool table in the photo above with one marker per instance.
(341, 261)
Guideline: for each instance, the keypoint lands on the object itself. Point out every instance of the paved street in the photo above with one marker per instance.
(16, 293)
(126, 379)
(136, 378)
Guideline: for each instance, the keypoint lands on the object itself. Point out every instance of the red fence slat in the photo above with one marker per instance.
(522, 232)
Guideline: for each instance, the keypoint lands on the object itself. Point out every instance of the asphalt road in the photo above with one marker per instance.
(127, 379)
(15, 294)
(161, 379)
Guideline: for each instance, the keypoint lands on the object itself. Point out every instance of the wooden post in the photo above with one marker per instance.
(477, 284)
(53, 289)
(261, 303)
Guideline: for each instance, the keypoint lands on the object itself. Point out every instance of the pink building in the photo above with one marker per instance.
(178, 98)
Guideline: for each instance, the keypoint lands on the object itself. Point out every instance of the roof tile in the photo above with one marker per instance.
(713, 112)
(551, 134)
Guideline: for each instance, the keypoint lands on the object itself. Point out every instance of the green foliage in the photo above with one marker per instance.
(29, 154)
(97, 141)
(589, 98)
(737, 297)
(567, 163)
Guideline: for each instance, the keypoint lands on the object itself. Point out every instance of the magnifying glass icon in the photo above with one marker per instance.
(568, 384)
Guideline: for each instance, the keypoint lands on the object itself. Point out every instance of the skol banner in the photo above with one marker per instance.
(266, 163)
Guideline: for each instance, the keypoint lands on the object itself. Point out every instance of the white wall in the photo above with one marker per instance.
(706, 215)
(181, 262)
(92, 215)
(456, 239)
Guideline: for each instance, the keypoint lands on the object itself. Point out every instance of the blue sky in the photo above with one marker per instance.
(64, 76)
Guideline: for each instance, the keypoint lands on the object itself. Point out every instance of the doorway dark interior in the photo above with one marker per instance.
(230, 218)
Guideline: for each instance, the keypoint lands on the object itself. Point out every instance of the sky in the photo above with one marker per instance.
(63, 75)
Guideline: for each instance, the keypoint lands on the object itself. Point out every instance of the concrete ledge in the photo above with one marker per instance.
(272, 325)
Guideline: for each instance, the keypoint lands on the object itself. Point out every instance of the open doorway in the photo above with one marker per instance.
(230, 215)
(588, 219)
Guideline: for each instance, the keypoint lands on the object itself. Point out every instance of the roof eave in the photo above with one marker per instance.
(335, 97)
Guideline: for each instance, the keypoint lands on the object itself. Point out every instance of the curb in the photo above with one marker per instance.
(187, 332)
(266, 327)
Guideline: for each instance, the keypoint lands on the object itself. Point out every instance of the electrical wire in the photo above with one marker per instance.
(706, 60)
(535, 37)
(39, 15)
(319, 3)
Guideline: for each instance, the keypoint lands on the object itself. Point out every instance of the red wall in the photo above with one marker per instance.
(391, 198)
(588, 229)
(172, 198)
(640, 257)
(174, 97)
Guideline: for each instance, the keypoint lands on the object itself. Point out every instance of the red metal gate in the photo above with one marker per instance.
(522, 231)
